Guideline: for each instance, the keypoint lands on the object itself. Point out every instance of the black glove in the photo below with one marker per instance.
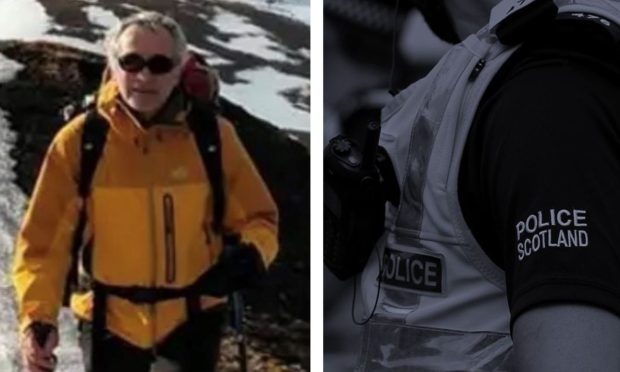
(239, 266)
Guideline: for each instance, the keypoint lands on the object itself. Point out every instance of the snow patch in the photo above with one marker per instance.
(264, 90)
(297, 10)
(243, 36)
(26, 20)
(211, 58)
(76, 43)
(8, 69)
(12, 203)
(12, 208)
(101, 17)
(22, 19)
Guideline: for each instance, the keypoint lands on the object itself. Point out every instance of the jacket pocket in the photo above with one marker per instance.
(169, 238)
(191, 254)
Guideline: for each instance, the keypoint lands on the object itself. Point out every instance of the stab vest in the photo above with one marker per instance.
(442, 303)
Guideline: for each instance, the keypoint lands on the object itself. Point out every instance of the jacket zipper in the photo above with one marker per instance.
(471, 89)
(169, 235)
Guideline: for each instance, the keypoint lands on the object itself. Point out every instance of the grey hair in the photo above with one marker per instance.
(152, 21)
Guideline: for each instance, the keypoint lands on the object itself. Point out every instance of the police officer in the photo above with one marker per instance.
(502, 253)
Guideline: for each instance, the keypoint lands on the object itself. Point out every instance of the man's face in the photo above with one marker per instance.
(143, 90)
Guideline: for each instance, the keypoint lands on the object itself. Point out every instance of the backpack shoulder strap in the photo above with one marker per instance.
(92, 143)
(203, 124)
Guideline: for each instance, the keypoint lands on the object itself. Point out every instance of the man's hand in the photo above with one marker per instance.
(37, 344)
(239, 266)
(244, 265)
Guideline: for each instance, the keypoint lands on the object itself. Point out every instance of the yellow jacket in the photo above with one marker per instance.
(142, 176)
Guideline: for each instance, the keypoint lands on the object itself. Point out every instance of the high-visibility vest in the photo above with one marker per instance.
(442, 303)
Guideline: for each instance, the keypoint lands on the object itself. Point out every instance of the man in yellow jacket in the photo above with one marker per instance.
(149, 216)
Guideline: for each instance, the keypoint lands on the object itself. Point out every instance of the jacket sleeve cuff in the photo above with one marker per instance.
(266, 246)
(26, 321)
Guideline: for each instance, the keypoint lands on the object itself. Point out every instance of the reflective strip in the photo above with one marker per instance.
(424, 133)
(423, 138)
(395, 346)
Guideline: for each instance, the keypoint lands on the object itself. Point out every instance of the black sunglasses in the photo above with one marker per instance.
(157, 64)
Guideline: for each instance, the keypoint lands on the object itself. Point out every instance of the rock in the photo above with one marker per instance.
(56, 75)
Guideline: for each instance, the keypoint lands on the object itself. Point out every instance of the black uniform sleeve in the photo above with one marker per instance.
(566, 337)
(546, 154)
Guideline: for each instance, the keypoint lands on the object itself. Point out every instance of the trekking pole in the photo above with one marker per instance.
(237, 325)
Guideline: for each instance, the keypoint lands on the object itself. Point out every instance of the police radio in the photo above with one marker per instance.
(354, 202)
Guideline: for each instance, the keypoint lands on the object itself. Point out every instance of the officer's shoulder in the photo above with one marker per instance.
(541, 92)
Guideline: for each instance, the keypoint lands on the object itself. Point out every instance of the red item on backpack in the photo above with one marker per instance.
(200, 80)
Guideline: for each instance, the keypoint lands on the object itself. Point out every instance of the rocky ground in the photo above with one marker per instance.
(278, 310)
(270, 347)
